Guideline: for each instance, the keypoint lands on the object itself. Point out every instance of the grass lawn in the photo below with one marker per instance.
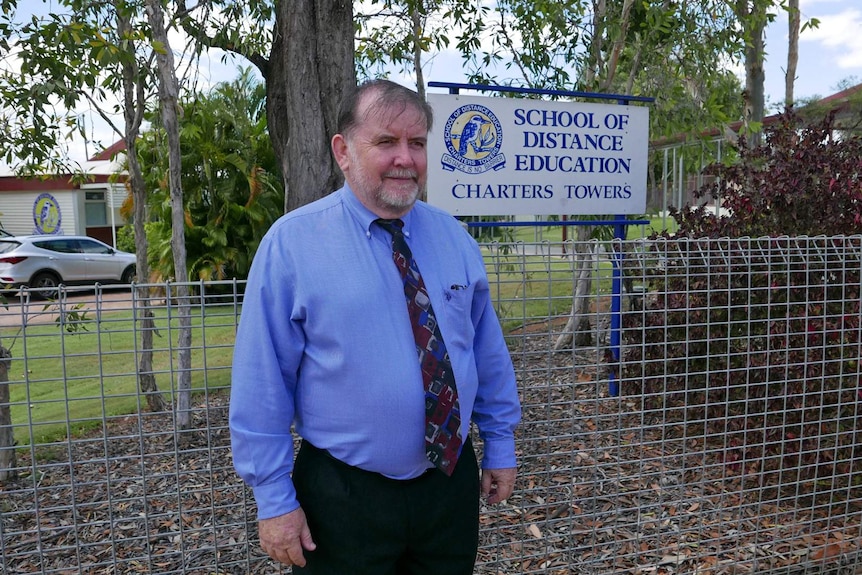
(527, 288)
(71, 382)
(555, 233)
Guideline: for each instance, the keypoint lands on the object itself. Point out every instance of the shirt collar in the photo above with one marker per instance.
(363, 215)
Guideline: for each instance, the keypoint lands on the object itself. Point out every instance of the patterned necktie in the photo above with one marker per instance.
(442, 411)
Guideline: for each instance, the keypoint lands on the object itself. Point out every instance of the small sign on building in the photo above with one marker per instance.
(47, 217)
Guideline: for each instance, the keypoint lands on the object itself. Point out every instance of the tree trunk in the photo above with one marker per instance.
(583, 334)
(636, 65)
(7, 436)
(310, 66)
(416, 20)
(754, 75)
(793, 21)
(133, 111)
(752, 15)
(169, 104)
(578, 330)
(593, 70)
(619, 44)
(146, 379)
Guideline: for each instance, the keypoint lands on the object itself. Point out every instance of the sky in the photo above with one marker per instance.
(828, 55)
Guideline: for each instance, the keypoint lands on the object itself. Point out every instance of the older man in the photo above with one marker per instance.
(367, 323)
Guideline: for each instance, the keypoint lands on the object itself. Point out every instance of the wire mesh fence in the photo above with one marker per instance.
(688, 407)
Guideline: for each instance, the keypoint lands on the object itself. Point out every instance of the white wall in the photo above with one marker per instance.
(16, 211)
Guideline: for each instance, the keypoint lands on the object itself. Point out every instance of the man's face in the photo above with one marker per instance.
(384, 158)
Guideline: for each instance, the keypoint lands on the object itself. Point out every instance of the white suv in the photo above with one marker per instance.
(44, 262)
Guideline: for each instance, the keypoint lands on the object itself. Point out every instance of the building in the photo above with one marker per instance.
(59, 205)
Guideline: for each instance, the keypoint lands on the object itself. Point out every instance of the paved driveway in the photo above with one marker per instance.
(19, 310)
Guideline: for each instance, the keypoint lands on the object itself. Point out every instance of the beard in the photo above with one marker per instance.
(390, 194)
(401, 196)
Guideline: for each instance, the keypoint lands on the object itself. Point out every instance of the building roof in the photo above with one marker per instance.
(100, 168)
(842, 103)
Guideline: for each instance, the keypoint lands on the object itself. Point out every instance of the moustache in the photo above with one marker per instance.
(401, 174)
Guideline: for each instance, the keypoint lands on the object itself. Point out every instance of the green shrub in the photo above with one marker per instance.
(126, 238)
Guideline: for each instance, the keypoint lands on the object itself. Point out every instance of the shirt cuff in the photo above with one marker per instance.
(499, 454)
(274, 499)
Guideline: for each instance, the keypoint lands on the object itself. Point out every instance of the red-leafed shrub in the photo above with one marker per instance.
(803, 180)
(750, 335)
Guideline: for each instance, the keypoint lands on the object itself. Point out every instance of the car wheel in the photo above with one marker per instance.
(45, 285)
(128, 275)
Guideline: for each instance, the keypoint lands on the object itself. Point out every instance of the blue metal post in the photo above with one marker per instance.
(616, 309)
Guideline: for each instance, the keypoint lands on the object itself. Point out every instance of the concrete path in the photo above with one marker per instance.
(19, 310)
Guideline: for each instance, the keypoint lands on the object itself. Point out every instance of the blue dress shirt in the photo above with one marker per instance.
(325, 343)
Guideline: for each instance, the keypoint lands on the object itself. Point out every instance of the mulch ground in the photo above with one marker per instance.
(602, 490)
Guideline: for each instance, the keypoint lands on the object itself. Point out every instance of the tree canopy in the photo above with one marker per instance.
(308, 51)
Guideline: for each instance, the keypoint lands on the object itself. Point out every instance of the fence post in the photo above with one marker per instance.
(7, 435)
(616, 306)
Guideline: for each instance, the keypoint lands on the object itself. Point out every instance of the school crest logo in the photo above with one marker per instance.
(46, 215)
(473, 137)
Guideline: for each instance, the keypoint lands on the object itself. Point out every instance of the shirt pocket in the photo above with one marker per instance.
(456, 322)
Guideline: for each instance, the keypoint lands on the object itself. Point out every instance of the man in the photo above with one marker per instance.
(329, 341)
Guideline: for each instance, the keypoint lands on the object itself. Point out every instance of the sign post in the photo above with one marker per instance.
(526, 156)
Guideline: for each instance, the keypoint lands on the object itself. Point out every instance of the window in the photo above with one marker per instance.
(62, 246)
(95, 209)
(93, 247)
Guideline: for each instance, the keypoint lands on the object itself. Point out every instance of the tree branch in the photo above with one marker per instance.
(184, 16)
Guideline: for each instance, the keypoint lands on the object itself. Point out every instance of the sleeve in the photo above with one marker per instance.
(267, 354)
(497, 410)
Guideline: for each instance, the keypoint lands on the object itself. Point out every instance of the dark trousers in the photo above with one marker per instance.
(366, 524)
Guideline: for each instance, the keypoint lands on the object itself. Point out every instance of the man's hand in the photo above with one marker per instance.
(284, 537)
(498, 484)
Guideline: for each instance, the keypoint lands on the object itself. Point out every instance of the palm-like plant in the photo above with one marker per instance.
(231, 189)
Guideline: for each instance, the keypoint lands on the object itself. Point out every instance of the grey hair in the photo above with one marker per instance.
(388, 96)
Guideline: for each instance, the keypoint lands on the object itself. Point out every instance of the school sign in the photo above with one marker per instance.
(507, 156)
